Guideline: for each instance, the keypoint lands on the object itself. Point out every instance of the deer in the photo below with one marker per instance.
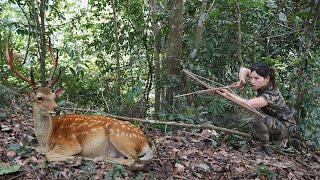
(94, 137)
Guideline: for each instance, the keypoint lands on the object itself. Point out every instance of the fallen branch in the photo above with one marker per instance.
(170, 123)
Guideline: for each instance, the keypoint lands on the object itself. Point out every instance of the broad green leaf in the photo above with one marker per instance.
(8, 169)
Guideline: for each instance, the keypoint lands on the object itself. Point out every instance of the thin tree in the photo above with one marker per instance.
(173, 62)
(38, 12)
(117, 53)
(239, 40)
(308, 33)
(156, 53)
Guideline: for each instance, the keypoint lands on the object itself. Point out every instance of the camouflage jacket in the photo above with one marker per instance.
(276, 105)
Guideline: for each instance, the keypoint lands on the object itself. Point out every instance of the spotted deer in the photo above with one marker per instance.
(63, 137)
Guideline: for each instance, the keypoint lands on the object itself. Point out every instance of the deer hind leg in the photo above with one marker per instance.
(63, 152)
(126, 147)
(125, 162)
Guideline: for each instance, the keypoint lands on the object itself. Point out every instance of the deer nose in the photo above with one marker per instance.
(57, 111)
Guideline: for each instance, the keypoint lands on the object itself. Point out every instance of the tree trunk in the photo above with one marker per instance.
(199, 30)
(41, 36)
(156, 54)
(239, 50)
(194, 50)
(117, 53)
(173, 63)
(309, 30)
(149, 80)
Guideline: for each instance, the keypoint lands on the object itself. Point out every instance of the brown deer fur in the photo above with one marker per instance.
(91, 136)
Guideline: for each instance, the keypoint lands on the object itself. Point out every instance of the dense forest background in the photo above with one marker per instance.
(126, 57)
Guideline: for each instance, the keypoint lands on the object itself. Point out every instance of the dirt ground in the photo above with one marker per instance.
(180, 154)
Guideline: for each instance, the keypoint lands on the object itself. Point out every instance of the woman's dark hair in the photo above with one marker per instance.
(264, 70)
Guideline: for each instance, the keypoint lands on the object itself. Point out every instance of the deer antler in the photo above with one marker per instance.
(53, 79)
(10, 62)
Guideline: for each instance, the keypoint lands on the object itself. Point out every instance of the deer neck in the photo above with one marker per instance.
(43, 127)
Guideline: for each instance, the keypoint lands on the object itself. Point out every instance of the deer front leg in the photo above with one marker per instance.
(63, 152)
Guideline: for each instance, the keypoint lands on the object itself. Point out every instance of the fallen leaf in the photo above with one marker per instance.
(204, 167)
(11, 154)
(179, 168)
(284, 164)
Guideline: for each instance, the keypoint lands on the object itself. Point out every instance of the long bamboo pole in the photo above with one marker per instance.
(242, 104)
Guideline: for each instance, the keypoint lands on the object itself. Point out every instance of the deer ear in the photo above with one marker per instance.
(59, 92)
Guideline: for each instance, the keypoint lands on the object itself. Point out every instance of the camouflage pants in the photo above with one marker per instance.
(271, 129)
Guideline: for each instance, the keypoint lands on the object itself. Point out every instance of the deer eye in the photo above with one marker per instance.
(40, 98)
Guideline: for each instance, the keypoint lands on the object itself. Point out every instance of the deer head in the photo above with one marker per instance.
(62, 137)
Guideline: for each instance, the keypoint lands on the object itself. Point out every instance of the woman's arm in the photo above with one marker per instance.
(257, 102)
(243, 73)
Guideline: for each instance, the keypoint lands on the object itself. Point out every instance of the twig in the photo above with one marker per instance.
(179, 177)
(197, 134)
(170, 123)
(23, 173)
(280, 35)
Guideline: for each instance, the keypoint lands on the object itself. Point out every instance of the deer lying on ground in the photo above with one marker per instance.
(63, 137)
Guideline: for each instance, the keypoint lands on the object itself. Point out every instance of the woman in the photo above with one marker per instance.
(279, 123)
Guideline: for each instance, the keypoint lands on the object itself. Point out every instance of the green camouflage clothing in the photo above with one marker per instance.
(278, 123)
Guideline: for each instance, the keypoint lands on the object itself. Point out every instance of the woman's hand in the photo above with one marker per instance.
(241, 84)
(224, 91)
(243, 73)
(211, 92)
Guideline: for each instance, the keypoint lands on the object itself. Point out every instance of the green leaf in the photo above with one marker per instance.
(282, 17)
(171, 117)
(8, 169)
(20, 150)
(3, 115)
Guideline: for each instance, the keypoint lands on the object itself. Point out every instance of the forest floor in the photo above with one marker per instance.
(180, 154)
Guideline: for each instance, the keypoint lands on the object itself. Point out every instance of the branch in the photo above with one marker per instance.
(170, 123)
